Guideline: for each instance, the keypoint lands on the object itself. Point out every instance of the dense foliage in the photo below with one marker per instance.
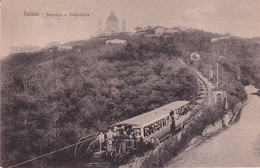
(52, 98)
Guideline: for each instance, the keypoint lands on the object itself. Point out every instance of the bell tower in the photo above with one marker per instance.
(100, 27)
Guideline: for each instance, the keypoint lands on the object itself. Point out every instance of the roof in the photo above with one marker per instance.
(112, 17)
(152, 115)
(116, 41)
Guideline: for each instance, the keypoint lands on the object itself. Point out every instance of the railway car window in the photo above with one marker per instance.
(137, 130)
(156, 126)
(163, 122)
(146, 131)
(167, 120)
(151, 129)
(160, 122)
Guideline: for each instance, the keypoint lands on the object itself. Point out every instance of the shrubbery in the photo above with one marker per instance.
(50, 100)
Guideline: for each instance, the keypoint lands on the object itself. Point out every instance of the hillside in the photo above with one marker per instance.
(52, 98)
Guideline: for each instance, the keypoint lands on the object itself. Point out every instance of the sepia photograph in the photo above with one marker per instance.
(130, 83)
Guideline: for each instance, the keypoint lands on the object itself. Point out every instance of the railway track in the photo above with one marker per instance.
(206, 89)
(206, 100)
(202, 81)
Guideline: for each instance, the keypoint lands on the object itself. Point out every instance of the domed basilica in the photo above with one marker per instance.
(112, 26)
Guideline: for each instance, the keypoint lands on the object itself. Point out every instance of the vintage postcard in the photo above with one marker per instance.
(130, 83)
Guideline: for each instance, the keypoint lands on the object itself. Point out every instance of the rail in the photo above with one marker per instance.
(50, 153)
(199, 109)
(79, 142)
(91, 137)
(205, 101)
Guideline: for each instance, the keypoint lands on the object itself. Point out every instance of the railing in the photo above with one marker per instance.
(83, 141)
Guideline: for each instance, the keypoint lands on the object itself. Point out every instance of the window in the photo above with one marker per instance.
(167, 120)
(164, 122)
(136, 130)
(151, 130)
(146, 131)
(156, 126)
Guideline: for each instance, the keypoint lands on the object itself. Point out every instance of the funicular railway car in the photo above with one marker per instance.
(156, 123)
(153, 124)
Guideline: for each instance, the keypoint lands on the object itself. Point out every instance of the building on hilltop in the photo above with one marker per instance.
(25, 49)
(112, 26)
(159, 31)
(116, 41)
(64, 47)
(218, 39)
(171, 30)
(100, 31)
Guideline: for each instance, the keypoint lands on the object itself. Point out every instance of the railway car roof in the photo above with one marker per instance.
(152, 115)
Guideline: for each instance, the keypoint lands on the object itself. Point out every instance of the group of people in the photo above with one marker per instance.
(109, 139)
(155, 142)
(122, 142)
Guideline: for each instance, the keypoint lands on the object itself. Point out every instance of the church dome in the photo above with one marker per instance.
(112, 17)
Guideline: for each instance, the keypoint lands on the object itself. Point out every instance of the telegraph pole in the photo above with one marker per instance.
(226, 103)
(209, 72)
(217, 74)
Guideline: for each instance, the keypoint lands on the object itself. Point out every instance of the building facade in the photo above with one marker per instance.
(112, 26)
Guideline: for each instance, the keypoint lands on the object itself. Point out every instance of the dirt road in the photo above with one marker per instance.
(238, 145)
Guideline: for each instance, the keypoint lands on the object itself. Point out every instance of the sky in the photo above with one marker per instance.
(238, 17)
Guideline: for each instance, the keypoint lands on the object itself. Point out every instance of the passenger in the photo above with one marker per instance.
(110, 139)
(146, 146)
(123, 146)
(100, 139)
(131, 136)
(139, 140)
(146, 131)
(152, 144)
(117, 140)
(173, 123)
(117, 137)
(157, 142)
(125, 135)
(128, 131)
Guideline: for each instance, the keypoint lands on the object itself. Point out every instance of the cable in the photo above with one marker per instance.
(47, 154)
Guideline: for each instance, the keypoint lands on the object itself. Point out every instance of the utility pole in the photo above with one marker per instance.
(217, 74)
(209, 72)
(226, 103)
(238, 75)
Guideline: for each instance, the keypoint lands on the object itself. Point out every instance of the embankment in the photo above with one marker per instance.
(211, 121)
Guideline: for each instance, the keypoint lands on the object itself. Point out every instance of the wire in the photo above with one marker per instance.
(47, 154)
